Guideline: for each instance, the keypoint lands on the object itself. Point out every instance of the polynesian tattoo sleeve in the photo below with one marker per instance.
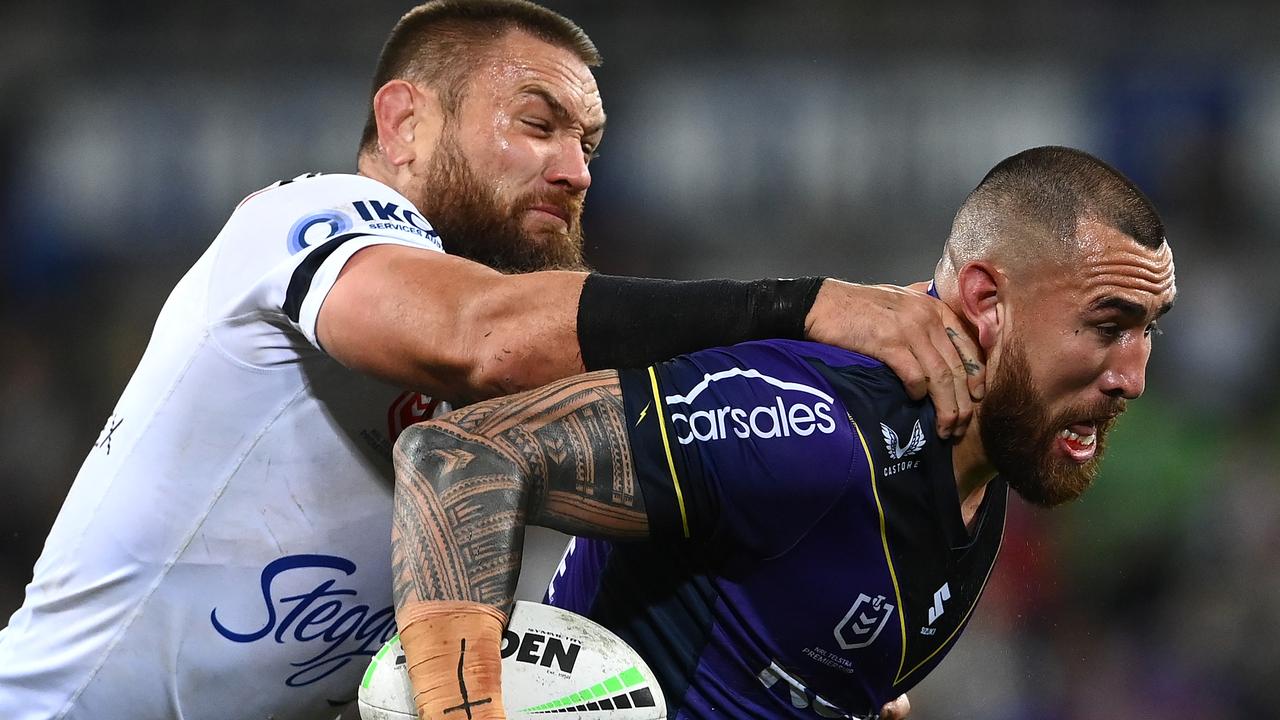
(468, 483)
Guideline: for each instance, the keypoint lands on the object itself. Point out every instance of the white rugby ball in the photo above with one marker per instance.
(554, 663)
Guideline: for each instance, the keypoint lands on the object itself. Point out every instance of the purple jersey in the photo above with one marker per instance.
(808, 557)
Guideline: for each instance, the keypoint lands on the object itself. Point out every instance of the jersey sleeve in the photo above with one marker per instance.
(284, 246)
(744, 447)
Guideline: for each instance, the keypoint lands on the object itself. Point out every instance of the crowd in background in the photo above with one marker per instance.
(745, 139)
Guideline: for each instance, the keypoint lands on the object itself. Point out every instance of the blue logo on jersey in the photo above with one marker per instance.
(344, 630)
(306, 232)
(374, 211)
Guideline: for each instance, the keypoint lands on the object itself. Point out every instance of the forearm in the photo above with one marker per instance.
(465, 487)
(633, 322)
(457, 532)
(459, 515)
(467, 484)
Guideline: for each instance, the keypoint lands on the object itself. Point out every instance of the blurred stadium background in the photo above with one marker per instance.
(745, 139)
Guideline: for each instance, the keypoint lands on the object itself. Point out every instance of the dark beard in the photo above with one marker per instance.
(472, 225)
(1019, 436)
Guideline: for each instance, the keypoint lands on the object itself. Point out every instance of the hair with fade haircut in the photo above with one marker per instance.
(1040, 196)
(439, 44)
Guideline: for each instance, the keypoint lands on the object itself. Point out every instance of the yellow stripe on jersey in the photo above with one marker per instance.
(902, 673)
(884, 539)
(666, 445)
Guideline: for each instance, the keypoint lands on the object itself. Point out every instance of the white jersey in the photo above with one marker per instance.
(224, 551)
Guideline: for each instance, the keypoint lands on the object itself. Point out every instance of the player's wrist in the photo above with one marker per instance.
(453, 654)
(631, 322)
(786, 306)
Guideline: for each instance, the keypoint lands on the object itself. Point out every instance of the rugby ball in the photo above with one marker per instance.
(554, 664)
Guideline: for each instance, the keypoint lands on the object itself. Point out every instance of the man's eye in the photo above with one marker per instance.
(540, 125)
(1108, 331)
(589, 153)
(1153, 330)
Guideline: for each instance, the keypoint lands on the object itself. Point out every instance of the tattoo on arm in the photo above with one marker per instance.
(467, 484)
(971, 366)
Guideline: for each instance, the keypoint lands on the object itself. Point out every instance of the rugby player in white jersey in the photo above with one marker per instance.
(224, 551)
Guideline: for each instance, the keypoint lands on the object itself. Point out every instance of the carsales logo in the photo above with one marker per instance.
(803, 411)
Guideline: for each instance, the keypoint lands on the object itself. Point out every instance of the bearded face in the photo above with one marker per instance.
(477, 223)
(1031, 444)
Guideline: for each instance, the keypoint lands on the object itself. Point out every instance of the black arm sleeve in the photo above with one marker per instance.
(630, 322)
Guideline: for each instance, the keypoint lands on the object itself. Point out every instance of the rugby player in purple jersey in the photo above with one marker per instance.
(775, 526)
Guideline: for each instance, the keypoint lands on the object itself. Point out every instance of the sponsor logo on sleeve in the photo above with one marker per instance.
(390, 216)
(375, 216)
(316, 228)
(796, 410)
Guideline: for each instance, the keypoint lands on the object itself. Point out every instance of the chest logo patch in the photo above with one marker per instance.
(864, 621)
(897, 452)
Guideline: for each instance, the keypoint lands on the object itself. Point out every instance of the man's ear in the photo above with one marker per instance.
(406, 116)
(982, 288)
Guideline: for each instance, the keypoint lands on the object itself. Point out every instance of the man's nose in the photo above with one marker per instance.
(1126, 374)
(569, 167)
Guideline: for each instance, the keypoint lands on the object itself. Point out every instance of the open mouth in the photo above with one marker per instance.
(1079, 441)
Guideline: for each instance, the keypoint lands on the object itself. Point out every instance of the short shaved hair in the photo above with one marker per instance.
(1030, 206)
(440, 43)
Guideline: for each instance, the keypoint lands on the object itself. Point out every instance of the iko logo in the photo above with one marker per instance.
(897, 452)
(372, 211)
(801, 696)
(863, 623)
(389, 216)
(541, 649)
(778, 419)
(317, 228)
(942, 595)
(319, 616)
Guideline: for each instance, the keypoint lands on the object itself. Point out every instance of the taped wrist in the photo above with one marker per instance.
(453, 651)
(631, 322)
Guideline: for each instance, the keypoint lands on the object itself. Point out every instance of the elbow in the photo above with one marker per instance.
(498, 372)
(412, 452)
(437, 456)
(498, 369)
(517, 339)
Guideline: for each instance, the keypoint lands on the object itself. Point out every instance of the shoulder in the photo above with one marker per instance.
(315, 207)
(321, 187)
(838, 367)
(862, 386)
